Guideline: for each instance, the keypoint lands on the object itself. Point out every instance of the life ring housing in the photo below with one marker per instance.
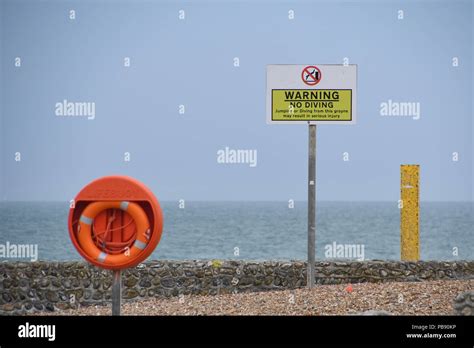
(129, 216)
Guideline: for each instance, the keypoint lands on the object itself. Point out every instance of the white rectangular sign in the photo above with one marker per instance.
(314, 94)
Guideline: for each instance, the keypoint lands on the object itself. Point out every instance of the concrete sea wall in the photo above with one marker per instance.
(47, 286)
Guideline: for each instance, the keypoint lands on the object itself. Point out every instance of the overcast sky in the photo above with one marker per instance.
(190, 62)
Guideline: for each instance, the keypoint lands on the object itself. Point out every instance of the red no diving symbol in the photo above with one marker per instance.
(311, 75)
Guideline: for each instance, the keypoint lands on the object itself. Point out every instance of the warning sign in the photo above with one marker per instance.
(300, 94)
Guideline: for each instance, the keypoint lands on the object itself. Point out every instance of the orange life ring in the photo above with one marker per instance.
(109, 233)
(85, 236)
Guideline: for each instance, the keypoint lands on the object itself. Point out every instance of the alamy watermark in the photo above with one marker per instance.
(37, 331)
(237, 156)
(75, 109)
(402, 109)
(19, 251)
(344, 251)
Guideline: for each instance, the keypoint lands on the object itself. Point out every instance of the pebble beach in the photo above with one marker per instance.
(395, 298)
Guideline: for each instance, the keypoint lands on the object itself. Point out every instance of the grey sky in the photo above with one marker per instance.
(190, 62)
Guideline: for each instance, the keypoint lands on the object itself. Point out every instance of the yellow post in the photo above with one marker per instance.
(409, 216)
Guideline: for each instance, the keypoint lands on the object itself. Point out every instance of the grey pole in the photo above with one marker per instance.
(311, 204)
(116, 292)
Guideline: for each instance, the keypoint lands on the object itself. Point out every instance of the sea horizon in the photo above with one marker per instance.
(260, 230)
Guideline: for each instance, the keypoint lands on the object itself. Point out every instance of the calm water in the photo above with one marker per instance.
(261, 230)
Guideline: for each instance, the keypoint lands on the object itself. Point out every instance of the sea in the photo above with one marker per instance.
(261, 230)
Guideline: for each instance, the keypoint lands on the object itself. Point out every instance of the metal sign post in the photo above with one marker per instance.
(116, 292)
(311, 94)
(311, 204)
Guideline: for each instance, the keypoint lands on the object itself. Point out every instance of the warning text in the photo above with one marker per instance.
(311, 105)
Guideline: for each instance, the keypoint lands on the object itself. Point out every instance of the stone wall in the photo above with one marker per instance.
(38, 286)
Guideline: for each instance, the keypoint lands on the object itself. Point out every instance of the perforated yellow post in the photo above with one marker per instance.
(409, 216)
